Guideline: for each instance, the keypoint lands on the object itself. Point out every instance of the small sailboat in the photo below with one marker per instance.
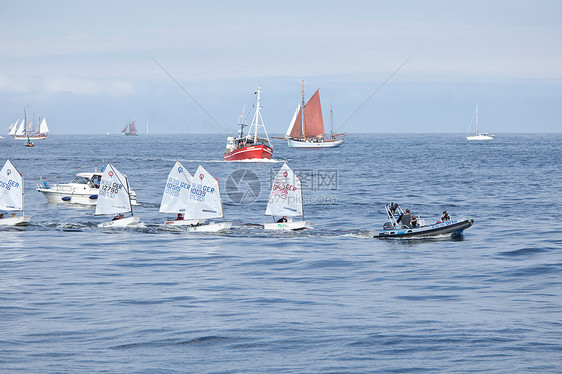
(477, 135)
(307, 126)
(250, 146)
(285, 202)
(176, 195)
(26, 130)
(204, 203)
(11, 196)
(130, 129)
(114, 199)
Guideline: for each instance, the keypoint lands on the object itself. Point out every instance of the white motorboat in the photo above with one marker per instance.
(285, 201)
(83, 189)
(114, 199)
(477, 135)
(11, 196)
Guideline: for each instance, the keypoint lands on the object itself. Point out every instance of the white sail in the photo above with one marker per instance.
(13, 128)
(285, 198)
(204, 200)
(176, 192)
(11, 188)
(113, 197)
(43, 128)
(21, 128)
(288, 133)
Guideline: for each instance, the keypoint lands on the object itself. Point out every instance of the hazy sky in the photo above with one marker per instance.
(85, 65)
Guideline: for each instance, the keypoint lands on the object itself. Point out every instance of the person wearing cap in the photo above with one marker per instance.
(284, 219)
(445, 216)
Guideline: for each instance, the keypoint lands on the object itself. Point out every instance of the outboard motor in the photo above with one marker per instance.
(387, 226)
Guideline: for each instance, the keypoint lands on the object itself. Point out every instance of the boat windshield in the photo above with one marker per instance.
(80, 180)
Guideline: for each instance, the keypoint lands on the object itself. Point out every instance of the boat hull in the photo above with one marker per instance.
(210, 227)
(15, 221)
(453, 227)
(74, 195)
(260, 151)
(184, 222)
(31, 137)
(294, 225)
(292, 143)
(123, 222)
(480, 137)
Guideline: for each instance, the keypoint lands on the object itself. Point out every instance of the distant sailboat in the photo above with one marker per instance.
(11, 196)
(130, 129)
(477, 135)
(26, 129)
(307, 126)
(285, 202)
(113, 198)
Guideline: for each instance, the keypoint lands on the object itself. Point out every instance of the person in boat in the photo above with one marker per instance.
(282, 219)
(179, 217)
(414, 222)
(96, 181)
(405, 219)
(1, 215)
(117, 217)
(445, 216)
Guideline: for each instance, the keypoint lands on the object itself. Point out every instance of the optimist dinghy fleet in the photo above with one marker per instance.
(196, 202)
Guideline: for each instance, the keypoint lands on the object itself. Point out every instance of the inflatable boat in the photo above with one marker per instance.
(394, 229)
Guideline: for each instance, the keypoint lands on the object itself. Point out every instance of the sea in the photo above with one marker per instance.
(75, 298)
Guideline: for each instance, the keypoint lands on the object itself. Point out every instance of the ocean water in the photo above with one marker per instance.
(76, 298)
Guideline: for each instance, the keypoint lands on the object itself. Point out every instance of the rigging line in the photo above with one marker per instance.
(373, 278)
(376, 91)
(186, 92)
(211, 257)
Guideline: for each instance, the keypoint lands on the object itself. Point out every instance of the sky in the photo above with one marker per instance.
(192, 66)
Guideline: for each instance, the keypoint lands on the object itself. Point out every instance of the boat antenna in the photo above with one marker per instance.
(331, 120)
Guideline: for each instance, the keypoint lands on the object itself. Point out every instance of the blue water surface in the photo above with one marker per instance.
(76, 298)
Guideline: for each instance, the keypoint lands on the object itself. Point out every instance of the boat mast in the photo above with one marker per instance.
(302, 114)
(257, 116)
(331, 120)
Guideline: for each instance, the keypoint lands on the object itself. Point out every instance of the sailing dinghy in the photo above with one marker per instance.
(204, 203)
(176, 195)
(114, 199)
(11, 196)
(285, 201)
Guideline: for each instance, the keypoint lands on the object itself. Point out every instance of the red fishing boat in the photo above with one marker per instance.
(251, 146)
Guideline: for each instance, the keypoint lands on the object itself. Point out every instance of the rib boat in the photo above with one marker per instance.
(393, 229)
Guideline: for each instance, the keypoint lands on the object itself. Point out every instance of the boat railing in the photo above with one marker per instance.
(55, 187)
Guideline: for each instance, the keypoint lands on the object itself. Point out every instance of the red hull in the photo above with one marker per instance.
(245, 153)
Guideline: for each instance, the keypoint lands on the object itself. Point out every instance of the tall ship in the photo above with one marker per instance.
(130, 129)
(250, 146)
(307, 126)
(27, 129)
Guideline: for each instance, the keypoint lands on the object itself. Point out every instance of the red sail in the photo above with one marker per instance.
(132, 128)
(296, 131)
(313, 124)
